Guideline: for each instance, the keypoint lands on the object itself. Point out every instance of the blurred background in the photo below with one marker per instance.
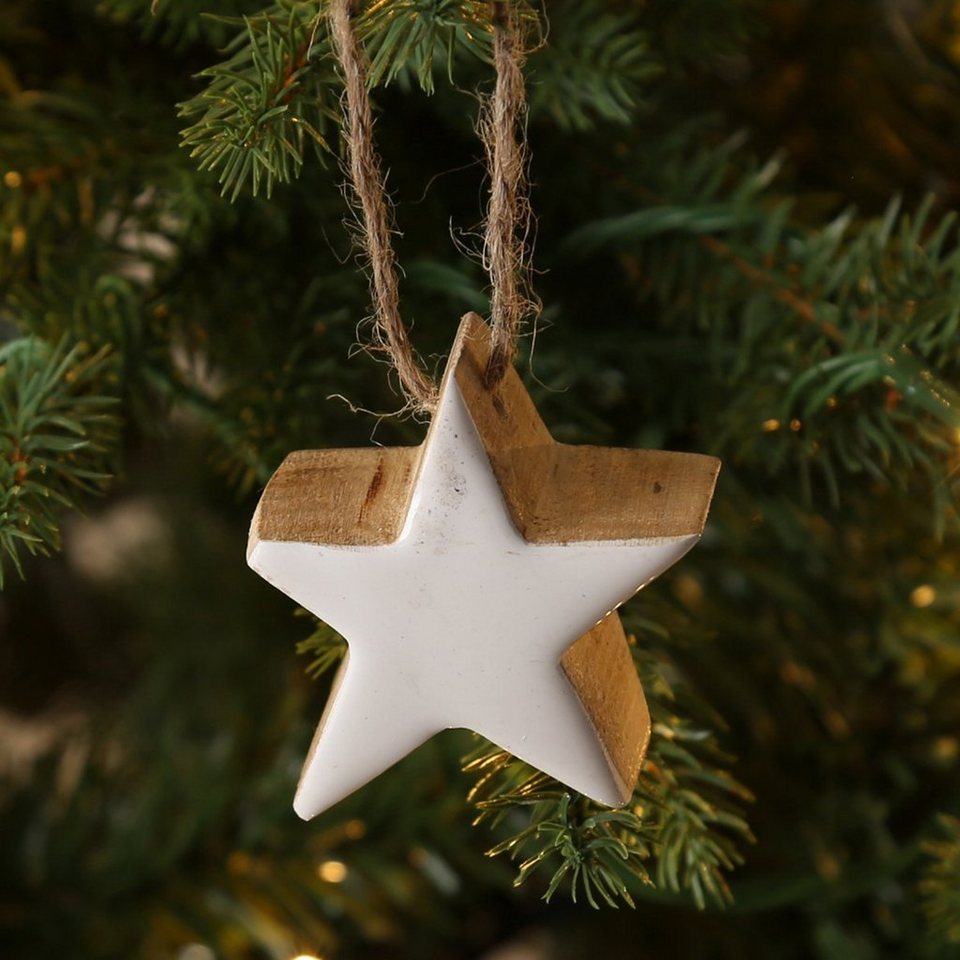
(745, 247)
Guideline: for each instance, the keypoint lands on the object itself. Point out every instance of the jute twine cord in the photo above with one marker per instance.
(389, 334)
(505, 247)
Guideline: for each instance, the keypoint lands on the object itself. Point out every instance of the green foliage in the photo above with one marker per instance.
(694, 300)
(179, 23)
(56, 155)
(692, 809)
(276, 92)
(57, 434)
(175, 816)
(249, 418)
(679, 833)
(940, 885)
(591, 849)
(410, 36)
(683, 823)
(592, 67)
(862, 382)
(325, 647)
(265, 103)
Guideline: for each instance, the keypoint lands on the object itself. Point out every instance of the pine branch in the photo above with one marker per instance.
(594, 851)
(684, 818)
(688, 804)
(411, 36)
(683, 823)
(838, 345)
(179, 23)
(940, 885)
(256, 414)
(56, 438)
(325, 647)
(263, 106)
(593, 68)
(278, 91)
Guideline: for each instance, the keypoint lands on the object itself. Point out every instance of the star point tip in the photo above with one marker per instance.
(304, 810)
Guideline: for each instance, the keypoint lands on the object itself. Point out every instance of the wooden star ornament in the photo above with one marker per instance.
(476, 580)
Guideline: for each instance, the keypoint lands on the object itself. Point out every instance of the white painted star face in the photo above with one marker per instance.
(458, 623)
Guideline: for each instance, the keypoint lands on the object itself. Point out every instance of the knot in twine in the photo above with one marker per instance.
(502, 128)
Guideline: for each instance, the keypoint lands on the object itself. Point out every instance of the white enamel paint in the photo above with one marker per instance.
(459, 623)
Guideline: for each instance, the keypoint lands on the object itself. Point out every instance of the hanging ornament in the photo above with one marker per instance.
(476, 577)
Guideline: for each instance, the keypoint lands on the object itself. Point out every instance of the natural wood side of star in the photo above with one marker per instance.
(601, 671)
(558, 493)
(352, 497)
(555, 493)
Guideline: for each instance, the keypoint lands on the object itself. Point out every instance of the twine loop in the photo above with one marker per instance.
(502, 127)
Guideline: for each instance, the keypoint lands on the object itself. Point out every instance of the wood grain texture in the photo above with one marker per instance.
(342, 497)
(601, 670)
(555, 493)
(558, 493)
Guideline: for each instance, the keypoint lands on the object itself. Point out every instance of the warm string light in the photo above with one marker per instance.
(923, 596)
(354, 829)
(18, 235)
(772, 425)
(333, 871)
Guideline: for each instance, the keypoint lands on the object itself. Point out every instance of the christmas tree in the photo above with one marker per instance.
(744, 248)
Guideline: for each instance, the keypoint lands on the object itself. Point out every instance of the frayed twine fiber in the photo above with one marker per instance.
(502, 128)
(506, 240)
(389, 334)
